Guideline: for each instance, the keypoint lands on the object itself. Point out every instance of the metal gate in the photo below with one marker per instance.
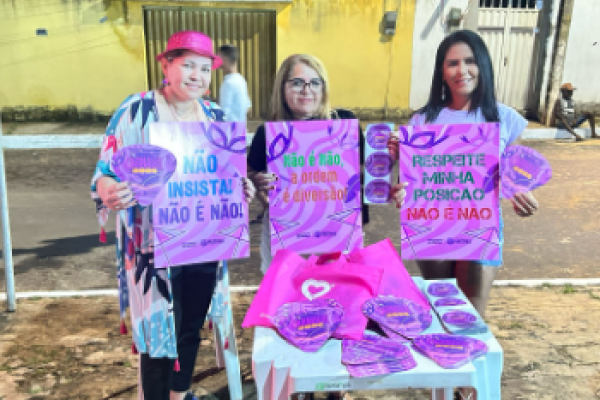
(251, 31)
(509, 28)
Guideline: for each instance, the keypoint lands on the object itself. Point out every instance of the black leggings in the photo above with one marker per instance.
(192, 290)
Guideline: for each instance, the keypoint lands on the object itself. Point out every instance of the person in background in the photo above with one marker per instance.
(235, 101)
(168, 306)
(462, 92)
(233, 95)
(565, 115)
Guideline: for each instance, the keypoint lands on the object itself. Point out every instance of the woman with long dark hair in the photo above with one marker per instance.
(462, 91)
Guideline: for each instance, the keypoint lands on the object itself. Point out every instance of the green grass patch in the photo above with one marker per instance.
(10, 129)
(533, 366)
(511, 325)
(35, 389)
(569, 289)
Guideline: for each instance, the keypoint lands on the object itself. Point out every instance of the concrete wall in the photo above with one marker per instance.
(582, 58)
(547, 37)
(427, 36)
(93, 55)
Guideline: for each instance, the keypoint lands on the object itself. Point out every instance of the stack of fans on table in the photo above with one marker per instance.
(336, 296)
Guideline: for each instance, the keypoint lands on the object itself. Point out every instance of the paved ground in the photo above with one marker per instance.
(55, 235)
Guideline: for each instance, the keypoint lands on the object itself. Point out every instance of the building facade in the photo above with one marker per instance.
(78, 59)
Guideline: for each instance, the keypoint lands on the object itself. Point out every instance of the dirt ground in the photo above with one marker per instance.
(71, 349)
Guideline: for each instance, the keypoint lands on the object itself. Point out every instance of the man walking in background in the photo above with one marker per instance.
(565, 116)
(235, 101)
(233, 96)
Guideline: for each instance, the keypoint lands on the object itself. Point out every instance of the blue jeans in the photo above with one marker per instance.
(580, 120)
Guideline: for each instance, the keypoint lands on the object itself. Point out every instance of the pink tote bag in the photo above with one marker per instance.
(290, 278)
(396, 281)
(273, 289)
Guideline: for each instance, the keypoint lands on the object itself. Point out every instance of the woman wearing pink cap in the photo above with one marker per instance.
(168, 306)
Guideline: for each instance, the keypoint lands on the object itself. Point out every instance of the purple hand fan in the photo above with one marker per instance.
(462, 319)
(383, 367)
(477, 347)
(378, 191)
(449, 351)
(378, 135)
(146, 167)
(393, 335)
(449, 302)
(307, 325)
(442, 289)
(400, 315)
(379, 164)
(523, 169)
(372, 348)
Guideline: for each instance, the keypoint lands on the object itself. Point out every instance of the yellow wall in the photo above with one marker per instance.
(345, 35)
(82, 62)
(94, 63)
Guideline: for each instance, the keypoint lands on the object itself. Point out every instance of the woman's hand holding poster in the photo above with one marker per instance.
(200, 214)
(451, 210)
(316, 204)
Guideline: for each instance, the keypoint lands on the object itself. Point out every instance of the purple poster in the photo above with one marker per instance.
(200, 214)
(316, 205)
(451, 209)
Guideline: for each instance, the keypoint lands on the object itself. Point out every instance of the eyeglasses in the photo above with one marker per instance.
(298, 85)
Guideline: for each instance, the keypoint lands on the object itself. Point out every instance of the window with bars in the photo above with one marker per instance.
(522, 4)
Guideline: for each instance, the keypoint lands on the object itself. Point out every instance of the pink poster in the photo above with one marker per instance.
(200, 213)
(451, 209)
(316, 206)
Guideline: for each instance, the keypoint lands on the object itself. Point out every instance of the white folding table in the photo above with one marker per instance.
(281, 369)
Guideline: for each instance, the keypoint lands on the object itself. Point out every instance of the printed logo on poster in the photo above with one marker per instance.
(451, 210)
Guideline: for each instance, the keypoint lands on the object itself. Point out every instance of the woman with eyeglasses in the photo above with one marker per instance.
(300, 93)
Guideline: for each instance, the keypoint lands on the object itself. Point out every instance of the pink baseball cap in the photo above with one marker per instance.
(194, 41)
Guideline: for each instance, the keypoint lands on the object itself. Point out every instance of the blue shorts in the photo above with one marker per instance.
(497, 263)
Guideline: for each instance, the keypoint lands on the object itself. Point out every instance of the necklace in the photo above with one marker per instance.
(176, 115)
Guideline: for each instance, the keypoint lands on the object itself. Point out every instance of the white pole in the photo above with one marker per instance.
(7, 248)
